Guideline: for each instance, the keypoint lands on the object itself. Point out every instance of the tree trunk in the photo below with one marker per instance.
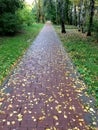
(67, 11)
(62, 18)
(70, 16)
(82, 15)
(43, 19)
(79, 21)
(57, 12)
(63, 27)
(92, 2)
(39, 11)
(75, 16)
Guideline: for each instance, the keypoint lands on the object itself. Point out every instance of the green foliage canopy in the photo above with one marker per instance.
(26, 15)
(9, 20)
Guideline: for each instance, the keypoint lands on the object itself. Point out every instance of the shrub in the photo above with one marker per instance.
(9, 24)
(9, 21)
(26, 16)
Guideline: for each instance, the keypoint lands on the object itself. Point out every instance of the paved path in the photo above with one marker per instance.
(41, 93)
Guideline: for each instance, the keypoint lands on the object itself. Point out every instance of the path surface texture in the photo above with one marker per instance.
(42, 92)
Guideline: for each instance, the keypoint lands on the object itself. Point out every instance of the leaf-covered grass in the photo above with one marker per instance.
(12, 48)
(84, 53)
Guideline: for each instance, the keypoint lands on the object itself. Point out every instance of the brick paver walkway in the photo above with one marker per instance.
(42, 93)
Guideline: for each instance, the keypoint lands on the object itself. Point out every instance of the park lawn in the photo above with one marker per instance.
(83, 51)
(12, 48)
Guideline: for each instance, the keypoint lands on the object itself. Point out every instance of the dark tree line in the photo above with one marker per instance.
(74, 12)
(9, 20)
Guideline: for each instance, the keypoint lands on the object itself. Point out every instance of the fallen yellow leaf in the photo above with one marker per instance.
(8, 123)
(58, 108)
(55, 117)
(41, 118)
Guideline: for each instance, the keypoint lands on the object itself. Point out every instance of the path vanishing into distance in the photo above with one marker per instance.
(43, 91)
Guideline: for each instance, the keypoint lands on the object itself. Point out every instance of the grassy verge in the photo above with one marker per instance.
(84, 53)
(12, 48)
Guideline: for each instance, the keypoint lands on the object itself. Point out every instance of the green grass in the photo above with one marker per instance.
(12, 48)
(84, 53)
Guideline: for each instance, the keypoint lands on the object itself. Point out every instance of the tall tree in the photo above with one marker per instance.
(92, 2)
(57, 13)
(67, 7)
(61, 4)
(74, 15)
(70, 16)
